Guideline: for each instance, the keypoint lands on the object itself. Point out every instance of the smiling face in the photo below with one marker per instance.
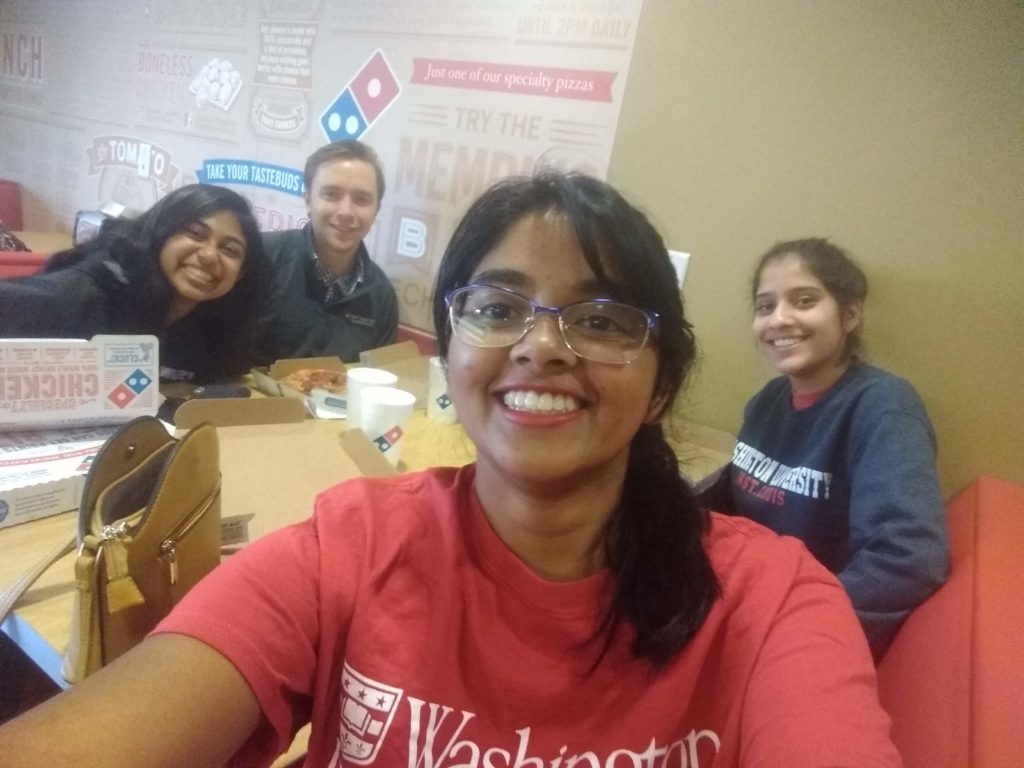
(342, 204)
(537, 413)
(800, 326)
(203, 262)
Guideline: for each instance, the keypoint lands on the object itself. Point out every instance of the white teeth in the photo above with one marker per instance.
(540, 402)
(777, 343)
(198, 273)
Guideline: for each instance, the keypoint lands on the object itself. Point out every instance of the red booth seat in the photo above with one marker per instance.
(17, 263)
(953, 680)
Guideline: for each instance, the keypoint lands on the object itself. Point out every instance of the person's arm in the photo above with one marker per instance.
(52, 305)
(812, 698)
(170, 701)
(899, 541)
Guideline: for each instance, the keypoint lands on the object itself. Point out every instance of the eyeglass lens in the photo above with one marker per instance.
(604, 331)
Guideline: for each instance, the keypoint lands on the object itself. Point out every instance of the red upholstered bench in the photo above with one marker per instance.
(953, 680)
(17, 263)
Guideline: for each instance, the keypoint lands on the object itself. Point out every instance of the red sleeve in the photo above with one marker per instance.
(259, 609)
(812, 697)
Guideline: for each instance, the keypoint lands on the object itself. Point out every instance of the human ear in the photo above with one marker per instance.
(656, 409)
(852, 316)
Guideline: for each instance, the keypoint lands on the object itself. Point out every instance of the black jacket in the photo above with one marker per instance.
(299, 324)
(93, 296)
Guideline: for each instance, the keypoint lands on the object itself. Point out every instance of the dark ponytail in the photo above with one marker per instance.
(665, 585)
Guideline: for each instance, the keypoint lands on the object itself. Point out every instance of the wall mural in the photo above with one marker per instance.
(106, 101)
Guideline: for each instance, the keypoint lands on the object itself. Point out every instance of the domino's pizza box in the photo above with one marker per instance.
(62, 383)
(42, 472)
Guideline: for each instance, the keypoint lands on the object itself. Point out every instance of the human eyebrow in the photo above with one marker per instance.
(805, 290)
(505, 278)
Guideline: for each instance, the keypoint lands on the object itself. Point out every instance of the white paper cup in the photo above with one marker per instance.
(440, 407)
(384, 415)
(359, 379)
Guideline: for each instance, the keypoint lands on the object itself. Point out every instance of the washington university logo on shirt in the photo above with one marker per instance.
(367, 709)
(767, 479)
(441, 738)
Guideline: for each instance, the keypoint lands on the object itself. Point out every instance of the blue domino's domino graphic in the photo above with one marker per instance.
(343, 120)
(366, 97)
(137, 381)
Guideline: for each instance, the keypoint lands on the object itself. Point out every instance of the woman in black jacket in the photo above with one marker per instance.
(191, 270)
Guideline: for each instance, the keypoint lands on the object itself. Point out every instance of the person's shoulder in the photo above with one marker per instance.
(775, 391)
(877, 390)
(747, 557)
(373, 269)
(393, 498)
(284, 243)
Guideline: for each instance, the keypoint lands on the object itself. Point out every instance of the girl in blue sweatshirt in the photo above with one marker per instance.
(835, 452)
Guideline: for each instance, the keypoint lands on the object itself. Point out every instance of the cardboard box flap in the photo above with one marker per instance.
(381, 356)
(365, 454)
(274, 472)
(239, 411)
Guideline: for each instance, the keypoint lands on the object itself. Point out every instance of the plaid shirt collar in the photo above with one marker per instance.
(338, 287)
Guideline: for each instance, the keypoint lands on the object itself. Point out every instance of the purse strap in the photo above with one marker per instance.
(10, 596)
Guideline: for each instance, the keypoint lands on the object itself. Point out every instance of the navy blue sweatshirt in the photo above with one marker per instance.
(854, 477)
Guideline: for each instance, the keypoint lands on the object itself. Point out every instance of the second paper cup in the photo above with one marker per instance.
(384, 416)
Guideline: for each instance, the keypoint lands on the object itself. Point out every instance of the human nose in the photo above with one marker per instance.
(543, 343)
(345, 205)
(782, 314)
(208, 252)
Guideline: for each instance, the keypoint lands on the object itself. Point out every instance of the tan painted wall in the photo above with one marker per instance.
(895, 128)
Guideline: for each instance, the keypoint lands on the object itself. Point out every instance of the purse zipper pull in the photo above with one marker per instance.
(118, 530)
(121, 590)
(169, 551)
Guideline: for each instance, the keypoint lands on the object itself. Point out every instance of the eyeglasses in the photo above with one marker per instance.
(601, 330)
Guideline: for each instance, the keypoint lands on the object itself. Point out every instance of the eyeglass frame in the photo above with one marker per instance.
(653, 320)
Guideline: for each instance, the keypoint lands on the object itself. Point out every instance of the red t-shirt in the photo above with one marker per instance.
(405, 630)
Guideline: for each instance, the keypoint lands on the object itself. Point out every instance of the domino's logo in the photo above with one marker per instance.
(367, 95)
(134, 384)
(386, 441)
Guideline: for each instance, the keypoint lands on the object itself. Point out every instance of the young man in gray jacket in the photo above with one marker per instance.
(329, 297)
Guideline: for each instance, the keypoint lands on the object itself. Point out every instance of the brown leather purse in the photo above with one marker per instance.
(148, 530)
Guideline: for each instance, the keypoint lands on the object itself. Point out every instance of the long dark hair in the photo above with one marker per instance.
(221, 332)
(664, 582)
